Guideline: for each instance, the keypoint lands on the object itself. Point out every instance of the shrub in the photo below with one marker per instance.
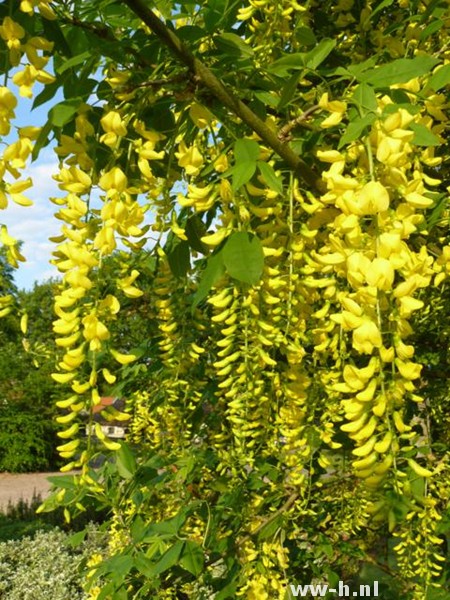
(45, 566)
(20, 519)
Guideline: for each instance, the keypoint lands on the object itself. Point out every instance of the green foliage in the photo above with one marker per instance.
(27, 433)
(44, 566)
(20, 519)
(25, 440)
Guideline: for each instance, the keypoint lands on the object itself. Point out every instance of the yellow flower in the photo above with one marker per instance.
(367, 337)
(372, 198)
(25, 79)
(380, 274)
(200, 115)
(336, 108)
(94, 332)
(31, 49)
(114, 128)
(113, 181)
(18, 152)
(189, 158)
(28, 6)
(8, 103)
(11, 32)
(74, 180)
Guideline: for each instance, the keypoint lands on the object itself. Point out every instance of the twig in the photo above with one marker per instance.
(284, 133)
(222, 93)
(286, 506)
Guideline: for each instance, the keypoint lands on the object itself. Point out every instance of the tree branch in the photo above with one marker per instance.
(226, 96)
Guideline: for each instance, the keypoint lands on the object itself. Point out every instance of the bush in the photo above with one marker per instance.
(45, 566)
(20, 519)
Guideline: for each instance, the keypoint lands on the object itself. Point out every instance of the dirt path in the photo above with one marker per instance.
(14, 487)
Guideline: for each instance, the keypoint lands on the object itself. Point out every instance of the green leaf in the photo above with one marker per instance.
(289, 90)
(433, 27)
(436, 214)
(270, 528)
(365, 99)
(66, 482)
(144, 565)
(355, 129)
(125, 461)
(359, 68)
(305, 36)
(120, 565)
(398, 71)
(245, 153)
(74, 61)
(229, 591)
(77, 538)
(63, 112)
(231, 43)
(214, 270)
(241, 174)
(168, 527)
(270, 177)
(180, 259)
(169, 558)
(282, 66)
(195, 229)
(423, 136)
(244, 257)
(315, 57)
(137, 529)
(246, 150)
(42, 140)
(440, 78)
(49, 91)
(383, 4)
(192, 558)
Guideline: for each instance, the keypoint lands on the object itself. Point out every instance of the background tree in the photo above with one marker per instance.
(28, 432)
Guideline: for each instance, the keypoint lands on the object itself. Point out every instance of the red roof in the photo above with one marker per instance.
(104, 402)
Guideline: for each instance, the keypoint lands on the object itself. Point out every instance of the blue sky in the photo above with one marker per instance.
(35, 224)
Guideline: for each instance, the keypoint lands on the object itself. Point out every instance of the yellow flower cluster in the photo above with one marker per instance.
(87, 236)
(15, 156)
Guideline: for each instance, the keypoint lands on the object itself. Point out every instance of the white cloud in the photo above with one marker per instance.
(33, 225)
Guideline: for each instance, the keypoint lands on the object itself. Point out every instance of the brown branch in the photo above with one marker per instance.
(285, 507)
(284, 133)
(226, 96)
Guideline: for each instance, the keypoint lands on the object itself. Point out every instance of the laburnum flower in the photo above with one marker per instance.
(11, 32)
(74, 180)
(201, 198)
(113, 181)
(16, 154)
(381, 274)
(371, 199)
(28, 6)
(8, 103)
(366, 337)
(12, 247)
(114, 128)
(32, 46)
(190, 158)
(126, 285)
(14, 190)
(200, 115)
(335, 107)
(95, 332)
(26, 79)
